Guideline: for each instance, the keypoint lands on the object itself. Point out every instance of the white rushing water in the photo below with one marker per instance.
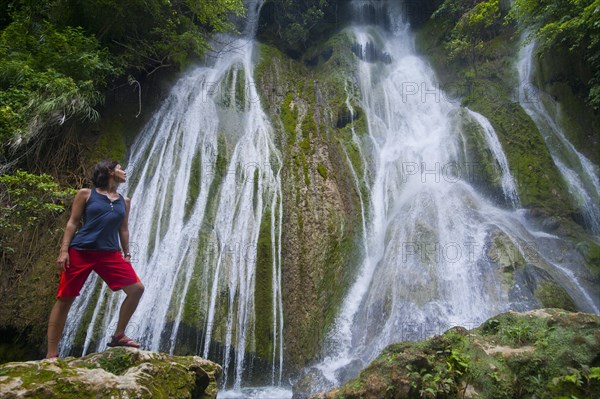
(429, 261)
(508, 182)
(581, 176)
(204, 174)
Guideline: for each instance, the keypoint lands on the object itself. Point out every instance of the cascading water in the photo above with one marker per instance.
(579, 173)
(508, 182)
(204, 176)
(431, 239)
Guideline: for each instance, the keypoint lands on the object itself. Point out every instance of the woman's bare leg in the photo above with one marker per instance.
(56, 323)
(134, 293)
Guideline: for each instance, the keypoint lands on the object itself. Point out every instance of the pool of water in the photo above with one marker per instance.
(256, 393)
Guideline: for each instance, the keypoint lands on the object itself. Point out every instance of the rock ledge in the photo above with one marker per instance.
(115, 373)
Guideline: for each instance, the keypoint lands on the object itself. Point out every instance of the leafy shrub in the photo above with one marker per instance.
(28, 200)
(47, 76)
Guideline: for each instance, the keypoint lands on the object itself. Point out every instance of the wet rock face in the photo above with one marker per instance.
(310, 383)
(370, 53)
(115, 373)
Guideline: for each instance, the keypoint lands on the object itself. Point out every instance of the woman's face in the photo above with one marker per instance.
(119, 174)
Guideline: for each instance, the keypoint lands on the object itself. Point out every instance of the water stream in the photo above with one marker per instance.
(508, 182)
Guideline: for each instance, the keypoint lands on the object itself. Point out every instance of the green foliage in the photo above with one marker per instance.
(289, 117)
(27, 199)
(578, 383)
(561, 363)
(110, 145)
(478, 22)
(429, 383)
(59, 57)
(47, 76)
(116, 362)
(263, 290)
(443, 371)
(147, 35)
(519, 332)
(457, 361)
(452, 10)
(573, 24)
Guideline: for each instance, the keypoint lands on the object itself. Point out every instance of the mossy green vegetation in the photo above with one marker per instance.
(194, 185)
(110, 145)
(219, 172)
(32, 213)
(571, 25)
(552, 295)
(322, 171)
(232, 89)
(546, 353)
(293, 25)
(263, 291)
(591, 253)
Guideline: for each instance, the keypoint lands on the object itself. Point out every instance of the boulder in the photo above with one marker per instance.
(115, 373)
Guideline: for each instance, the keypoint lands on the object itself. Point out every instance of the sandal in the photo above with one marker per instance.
(55, 356)
(123, 340)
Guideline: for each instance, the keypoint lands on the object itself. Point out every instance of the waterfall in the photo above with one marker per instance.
(205, 182)
(204, 177)
(508, 182)
(578, 172)
(431, 237)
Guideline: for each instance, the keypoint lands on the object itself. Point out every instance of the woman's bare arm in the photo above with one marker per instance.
(77, 210)
(124, 229)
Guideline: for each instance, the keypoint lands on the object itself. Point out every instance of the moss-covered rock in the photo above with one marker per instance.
(591, 253)
(552, 295)
(545, 353)
(504, 253)
(306, 100)
(115, 373)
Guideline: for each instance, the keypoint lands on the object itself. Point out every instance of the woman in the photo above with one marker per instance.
(96, 247)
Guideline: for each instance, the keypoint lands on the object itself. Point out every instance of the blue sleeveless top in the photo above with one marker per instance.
(101, 222)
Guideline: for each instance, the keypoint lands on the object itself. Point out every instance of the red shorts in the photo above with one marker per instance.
(110, 266)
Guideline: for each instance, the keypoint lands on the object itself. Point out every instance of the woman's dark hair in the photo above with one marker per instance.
(100, 172)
